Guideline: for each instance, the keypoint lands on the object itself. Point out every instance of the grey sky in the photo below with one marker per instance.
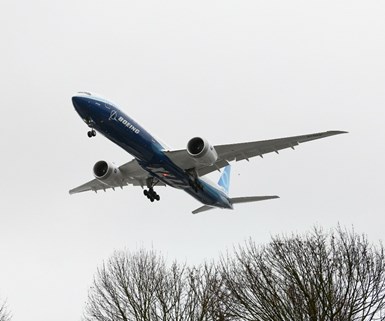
(230, 71)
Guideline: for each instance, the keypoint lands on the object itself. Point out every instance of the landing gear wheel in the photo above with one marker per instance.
(151, 194)
(91, 133)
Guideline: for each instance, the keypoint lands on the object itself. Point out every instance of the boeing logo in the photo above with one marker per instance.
(128, 125)
(114, 116)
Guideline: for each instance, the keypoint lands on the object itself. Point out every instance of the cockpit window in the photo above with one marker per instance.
(108, 104)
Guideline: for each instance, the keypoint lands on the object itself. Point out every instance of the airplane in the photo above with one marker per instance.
(156, 165)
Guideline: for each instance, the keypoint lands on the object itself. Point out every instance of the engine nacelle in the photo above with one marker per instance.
(108, 173)
(202, 151)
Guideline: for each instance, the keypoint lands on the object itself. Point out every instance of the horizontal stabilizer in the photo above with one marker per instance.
(203, 209)
(248, 199)
(236, 200)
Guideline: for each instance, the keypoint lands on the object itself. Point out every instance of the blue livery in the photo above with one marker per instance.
(154, 165)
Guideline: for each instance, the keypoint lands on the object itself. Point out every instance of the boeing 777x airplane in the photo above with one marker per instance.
(154, 165)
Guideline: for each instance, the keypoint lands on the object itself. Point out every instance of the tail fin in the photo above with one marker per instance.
(224, 180)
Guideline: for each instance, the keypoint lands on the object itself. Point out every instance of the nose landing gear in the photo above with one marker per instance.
(90, 123)
(91, 133)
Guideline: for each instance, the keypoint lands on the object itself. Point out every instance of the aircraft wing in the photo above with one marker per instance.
(133, 174)
(237, 152)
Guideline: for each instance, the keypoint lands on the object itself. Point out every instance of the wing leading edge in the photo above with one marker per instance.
(241, 151)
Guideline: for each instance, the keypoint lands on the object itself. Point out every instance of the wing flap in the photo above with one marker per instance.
(93, 185)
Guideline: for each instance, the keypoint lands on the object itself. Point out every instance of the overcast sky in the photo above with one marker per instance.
(230, 71)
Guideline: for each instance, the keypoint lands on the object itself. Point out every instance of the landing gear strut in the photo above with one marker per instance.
(150, 193)
(91, 133)
(194, 181)
(196, 185)
(90, 123)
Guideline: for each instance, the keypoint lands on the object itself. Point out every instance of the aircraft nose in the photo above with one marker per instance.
(80, 103)
(76, 101)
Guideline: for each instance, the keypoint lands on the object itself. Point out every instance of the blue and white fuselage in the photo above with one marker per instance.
(105, 117)
(155, 165)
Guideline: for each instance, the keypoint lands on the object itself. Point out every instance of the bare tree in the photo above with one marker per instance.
(125, 287)
(4, 313)
(336, 276)
(141, 287)
(208, 297)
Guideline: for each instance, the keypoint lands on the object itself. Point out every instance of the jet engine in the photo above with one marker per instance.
(202, 151)
(108, 173)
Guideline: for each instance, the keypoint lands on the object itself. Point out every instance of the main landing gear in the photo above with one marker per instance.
(91, 133)
(196, 185)
(151, 194)
(194, 181)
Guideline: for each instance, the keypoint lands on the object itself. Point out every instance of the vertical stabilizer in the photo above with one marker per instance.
(224, 180)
